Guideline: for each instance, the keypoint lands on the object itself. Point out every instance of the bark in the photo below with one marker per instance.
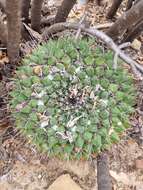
(2, 5)
(13, 10)
(3, 32)
(25, 10)
(64, 10)
(129, 4)
(113, 9)
(98, 2)
(128, 19)
(103, 176)
(36, 15)
(134, 33)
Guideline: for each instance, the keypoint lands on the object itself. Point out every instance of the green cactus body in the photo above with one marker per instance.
(68, 99)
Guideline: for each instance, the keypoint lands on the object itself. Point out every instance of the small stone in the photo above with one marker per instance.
(39, 176)
(64, 182)
(136, 44)
(139, 164)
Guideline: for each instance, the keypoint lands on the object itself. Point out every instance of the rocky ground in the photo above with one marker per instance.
(22, 167)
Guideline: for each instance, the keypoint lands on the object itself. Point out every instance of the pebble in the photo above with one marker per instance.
(64, 182)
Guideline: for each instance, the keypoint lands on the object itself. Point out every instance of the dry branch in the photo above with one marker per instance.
(115, 61)
(102, 26)
(99, 34)
(81, 22)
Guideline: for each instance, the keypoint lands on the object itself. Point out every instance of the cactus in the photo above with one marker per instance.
(69, 101)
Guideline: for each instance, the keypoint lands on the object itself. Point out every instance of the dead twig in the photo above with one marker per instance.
(81, 22)
(136, 68)
(32, 33)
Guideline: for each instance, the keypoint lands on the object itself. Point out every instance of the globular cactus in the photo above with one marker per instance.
(69, 100)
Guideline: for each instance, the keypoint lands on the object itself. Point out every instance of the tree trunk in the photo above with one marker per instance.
(128, 19)
(36, 15)
(129, 4)
(2, 5)
(13, 10)
(98, 2)
(113, 9)
(103, 176)
(135, 32)
(64, 10)
(3, 32)
(25, 10)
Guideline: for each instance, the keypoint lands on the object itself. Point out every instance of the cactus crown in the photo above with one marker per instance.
(70, 101)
